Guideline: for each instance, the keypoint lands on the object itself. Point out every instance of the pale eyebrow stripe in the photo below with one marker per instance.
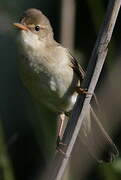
(31, 25)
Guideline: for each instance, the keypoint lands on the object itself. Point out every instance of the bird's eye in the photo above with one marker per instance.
(37, 28)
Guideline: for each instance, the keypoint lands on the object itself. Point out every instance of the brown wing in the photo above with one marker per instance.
(77, 68)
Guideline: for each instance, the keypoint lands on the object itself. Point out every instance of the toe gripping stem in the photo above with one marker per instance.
(59, 145)
(80, 90)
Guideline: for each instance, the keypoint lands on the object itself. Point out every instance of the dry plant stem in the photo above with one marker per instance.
(96, 62)
(68, 23)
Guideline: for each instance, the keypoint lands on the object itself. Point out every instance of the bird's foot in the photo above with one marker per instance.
(59, 145)
(80, 90)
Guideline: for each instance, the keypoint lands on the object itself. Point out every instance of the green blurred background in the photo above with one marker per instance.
(76, 24)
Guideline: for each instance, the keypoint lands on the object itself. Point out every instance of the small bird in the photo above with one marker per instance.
(53, 76)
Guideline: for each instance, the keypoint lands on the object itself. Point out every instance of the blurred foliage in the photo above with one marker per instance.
(5, 164)
(27, 157)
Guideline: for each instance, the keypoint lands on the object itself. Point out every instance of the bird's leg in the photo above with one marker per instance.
(59, 143)
(80, 90)
(62, 117)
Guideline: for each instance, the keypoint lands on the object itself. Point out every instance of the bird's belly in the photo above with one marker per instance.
(53, 90)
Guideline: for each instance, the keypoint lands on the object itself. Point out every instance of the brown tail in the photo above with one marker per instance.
(98, 142)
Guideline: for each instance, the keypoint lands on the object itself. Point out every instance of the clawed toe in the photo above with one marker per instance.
(59, 146)
(80, 90)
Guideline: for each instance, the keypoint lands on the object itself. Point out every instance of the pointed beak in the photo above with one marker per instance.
(21, 26)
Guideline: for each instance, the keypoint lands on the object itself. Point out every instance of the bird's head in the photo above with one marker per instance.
(35, 27)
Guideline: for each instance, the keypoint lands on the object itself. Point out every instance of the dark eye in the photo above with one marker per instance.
(37, 28)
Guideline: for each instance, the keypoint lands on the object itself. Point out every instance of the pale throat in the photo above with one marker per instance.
(31, 40)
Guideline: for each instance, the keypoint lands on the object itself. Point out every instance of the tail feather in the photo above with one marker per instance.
(96, 139)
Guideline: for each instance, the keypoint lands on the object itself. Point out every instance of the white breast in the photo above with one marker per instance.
(51, 74)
